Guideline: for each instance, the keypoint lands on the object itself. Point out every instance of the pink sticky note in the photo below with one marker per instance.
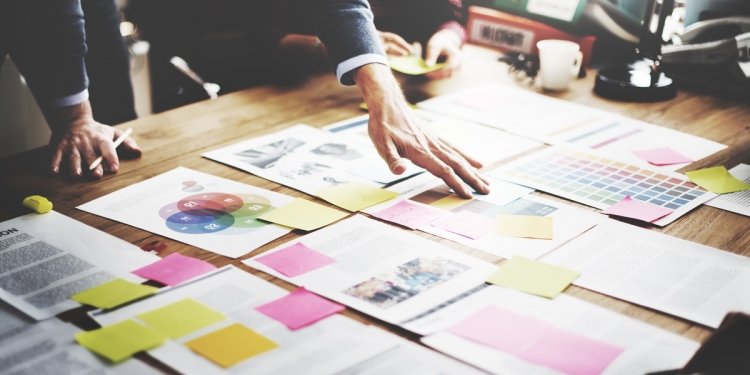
(662, 156)
(571, 353)
(174, 269)
(484, 102)
(296, 260)
(410, 215)
(300, 309)
(467, 224)
(501, 329)
(631, 208)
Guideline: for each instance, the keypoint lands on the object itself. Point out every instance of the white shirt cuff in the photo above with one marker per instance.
(355, 62)
(69, 100)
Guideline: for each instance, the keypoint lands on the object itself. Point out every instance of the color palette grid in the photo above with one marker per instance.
(601, 182)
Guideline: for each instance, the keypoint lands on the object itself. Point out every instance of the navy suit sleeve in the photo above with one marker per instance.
(346, 28)
(47, 43)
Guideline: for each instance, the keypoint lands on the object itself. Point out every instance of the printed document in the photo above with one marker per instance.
(198, 209)
(308, 159)
(647, 348)
(49, 347)
(487, 144)
(738, 202)
(326, 347)
(46, 258)
(658, 271)
(390, 274)
(505, 199)
(561, 122)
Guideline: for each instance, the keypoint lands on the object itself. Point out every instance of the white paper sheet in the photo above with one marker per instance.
(46, 258)
(198, 209)
(508, 199)
(326, 347)
(49, 347)
(558, 121)
(596, 180)
(483, 143)
(665, 273)
(738, 202)
(409, 358)
(306, 159)
(647, 348)
(390, 274)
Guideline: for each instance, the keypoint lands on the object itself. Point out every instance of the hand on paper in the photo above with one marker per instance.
(394, 44)
(79, 139)
(444, 43)
(398, 134)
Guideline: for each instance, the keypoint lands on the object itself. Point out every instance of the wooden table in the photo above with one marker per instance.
(178, 137)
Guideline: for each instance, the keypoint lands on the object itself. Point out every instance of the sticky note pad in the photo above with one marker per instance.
(120, 341)
(113, 293)
(634, 209)
(303, 214)
(662, 156)
(295, 260)
(231, 345)
(717, 180)
(533, 277)
(467, 224)
(409, 215)
(450, 202)
(300, 309)
(412, 65)
(182, 317)
(501, 329)
(355, 196)
(174, 269)
(524, 226)
(570, 353)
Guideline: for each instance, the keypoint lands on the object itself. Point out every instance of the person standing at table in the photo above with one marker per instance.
(47, 42)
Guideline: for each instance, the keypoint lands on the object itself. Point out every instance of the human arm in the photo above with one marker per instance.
(48, 47)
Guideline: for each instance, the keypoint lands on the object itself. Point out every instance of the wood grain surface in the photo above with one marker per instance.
(178, 137)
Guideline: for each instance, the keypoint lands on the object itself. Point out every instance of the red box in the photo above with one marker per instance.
(509, 33)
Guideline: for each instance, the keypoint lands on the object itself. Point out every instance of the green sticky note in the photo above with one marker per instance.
(533, 277)
(303, 214)
(120, 341)
(355, 196)
(112, 294)
(412, 65)
(717, 180)
(182, 317)
(231, 345)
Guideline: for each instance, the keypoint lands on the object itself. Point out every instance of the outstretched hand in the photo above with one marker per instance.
(77, 140)
(397, 134)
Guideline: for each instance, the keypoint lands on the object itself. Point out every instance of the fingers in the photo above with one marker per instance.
(462, 168)
(392, 49)
(438, 168)
(433, 53)
(89, 155)
(74, 163)
(395, 44)
(473, 162)
(389, 153)
(54, 167)
(107, 149)
(129, 147)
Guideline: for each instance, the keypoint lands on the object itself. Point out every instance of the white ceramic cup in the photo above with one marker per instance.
(559, 60)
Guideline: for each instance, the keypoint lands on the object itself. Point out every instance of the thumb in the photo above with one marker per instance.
(391, 156)
(432, 55)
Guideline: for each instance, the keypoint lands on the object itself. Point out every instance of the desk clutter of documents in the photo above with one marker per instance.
(359, 251)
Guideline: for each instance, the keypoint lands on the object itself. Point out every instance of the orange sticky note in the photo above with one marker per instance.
(231, 345)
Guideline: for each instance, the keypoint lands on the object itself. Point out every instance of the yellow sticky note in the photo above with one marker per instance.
(112, 294)
(524, 226)
(120, 341)
(717, 180)
(450, 202)
(412, 65)
(182, 317)
(533, 277)
(303, 214)
(231, 345)
(355, 196)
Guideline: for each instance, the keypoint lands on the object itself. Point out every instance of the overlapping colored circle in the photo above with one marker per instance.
(216, 213)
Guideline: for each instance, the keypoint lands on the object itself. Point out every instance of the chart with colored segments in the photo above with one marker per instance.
(600, 182)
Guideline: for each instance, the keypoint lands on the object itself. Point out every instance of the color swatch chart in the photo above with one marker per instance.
(600, 182)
